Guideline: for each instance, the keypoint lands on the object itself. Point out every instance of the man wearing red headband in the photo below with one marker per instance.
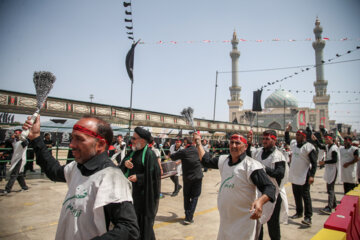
(349, 155)
(275, 166)
(301, 173)
(98, 193)
(331, 171)
(237, 198)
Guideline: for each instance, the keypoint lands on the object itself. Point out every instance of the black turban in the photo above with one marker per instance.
(143, 133)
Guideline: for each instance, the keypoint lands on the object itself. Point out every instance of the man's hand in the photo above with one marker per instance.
(288, 127)
(161, 171)
(256, 209)
(132, 178)
(313, 137)
(197, 139)
(311, 180)
(129, 164)
(346, 164)
(34, 128)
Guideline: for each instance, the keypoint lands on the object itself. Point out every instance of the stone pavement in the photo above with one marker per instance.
(34, 214)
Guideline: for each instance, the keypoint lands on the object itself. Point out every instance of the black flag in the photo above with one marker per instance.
(129, 62)
(180, 134)
(257, 101)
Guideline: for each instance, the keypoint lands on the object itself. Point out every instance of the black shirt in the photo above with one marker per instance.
(122, 215)
(259, 177)
(191, 166)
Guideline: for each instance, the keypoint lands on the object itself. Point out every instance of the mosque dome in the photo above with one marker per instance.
(279, 98)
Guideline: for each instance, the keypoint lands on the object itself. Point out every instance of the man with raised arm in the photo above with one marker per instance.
(241, 175)
(301, 173)
(98, 193)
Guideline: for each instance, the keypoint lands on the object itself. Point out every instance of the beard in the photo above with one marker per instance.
(91, 153)
(138, 146)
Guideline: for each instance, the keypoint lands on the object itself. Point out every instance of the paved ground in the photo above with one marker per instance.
(34, 214)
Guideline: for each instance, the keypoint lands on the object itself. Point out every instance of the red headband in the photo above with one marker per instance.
(238, 138)
(300, 132)
(88, 132)
(329, 137)
(270, 135)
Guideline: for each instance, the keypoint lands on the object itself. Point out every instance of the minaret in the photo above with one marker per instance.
(235, 103)
(321, 99)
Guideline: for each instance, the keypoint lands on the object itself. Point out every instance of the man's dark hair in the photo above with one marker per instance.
(120, 135)
(189, 140)
(348, 138)
(103, 128)
(270, 132)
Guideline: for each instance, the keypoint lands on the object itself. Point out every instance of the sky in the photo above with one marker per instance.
(183, 43)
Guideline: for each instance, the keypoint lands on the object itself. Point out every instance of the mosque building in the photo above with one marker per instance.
(281, 107)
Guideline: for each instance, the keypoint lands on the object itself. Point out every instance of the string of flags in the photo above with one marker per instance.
(128, 20)
(308, 68)
(242, 40)
(313, 91)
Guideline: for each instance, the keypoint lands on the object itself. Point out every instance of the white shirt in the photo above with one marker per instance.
(18, 155)
(236, 194)
(331, 169)
(82, 214)
(348, 175)
(300, 162)
(119, 150)
(270, 161)
(178, 167)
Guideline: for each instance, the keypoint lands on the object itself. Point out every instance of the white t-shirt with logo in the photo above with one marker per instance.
(300, 162)
(82, 214)
(236, 194)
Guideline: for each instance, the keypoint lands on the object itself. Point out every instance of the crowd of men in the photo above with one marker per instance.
(114, 188)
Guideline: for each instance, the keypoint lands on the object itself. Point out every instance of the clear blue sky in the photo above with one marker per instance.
(84, 43)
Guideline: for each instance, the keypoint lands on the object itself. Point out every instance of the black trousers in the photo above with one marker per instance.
(273, 223)
(175, 180)
(302, 194)
(349, 186)
(2, 171)
(192, 191)
(330, 188)
(16, 175)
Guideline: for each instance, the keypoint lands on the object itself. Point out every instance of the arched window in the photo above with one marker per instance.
(275, 125)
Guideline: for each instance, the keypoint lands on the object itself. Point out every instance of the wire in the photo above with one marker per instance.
(284, 68)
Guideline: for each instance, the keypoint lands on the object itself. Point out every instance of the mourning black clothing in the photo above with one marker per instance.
(146, 190)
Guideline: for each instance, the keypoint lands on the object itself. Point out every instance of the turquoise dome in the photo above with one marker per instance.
(279, 98)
